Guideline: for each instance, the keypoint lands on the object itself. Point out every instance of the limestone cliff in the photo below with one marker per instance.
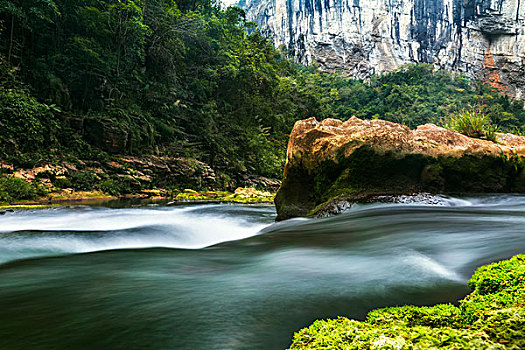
(483, 39)
(358, 160)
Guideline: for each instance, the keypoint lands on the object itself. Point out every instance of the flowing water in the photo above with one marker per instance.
(225, 277)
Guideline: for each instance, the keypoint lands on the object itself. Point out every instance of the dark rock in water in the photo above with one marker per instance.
(417, 198)
(339, 205)
(331, 162)
(334, 207)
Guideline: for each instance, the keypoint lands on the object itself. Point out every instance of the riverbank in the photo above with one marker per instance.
(74, 180)
(491, 317)
(68, 197)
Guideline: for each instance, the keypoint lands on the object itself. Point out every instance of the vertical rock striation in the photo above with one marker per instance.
(484, 39)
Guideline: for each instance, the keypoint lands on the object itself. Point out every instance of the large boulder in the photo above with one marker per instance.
(359, 159)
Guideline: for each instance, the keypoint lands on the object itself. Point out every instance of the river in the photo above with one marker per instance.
(221, 276)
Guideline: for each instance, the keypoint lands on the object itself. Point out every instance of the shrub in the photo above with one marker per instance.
(62, 182)
(12, 188)
(110, 187)
(27, 124)
(84, 180)
(120, 185)
(473, 124)
(520, 131)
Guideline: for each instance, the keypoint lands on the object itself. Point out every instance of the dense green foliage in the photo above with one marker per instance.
(491, 317)
(187, 79)
(183, 78)
(415, 95)
(12, 188)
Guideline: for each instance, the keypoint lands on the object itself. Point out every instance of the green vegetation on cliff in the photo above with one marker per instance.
(491, 317)
(12, 189)
(414, 95)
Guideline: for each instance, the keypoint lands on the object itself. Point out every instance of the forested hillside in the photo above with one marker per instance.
(93, 78)
(415, 95)
(176, 77)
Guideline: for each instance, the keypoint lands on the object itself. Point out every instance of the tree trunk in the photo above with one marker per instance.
(11, 36)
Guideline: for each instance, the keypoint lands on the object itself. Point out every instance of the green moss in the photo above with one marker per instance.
(364, 172)
(345, 334)
(296, 194)
(432, 178)
(28, 206)
(442, 315)
(222, 196)
(499, 277)
(472, 173)
(491, 317)
(191, 195)
(258, 197)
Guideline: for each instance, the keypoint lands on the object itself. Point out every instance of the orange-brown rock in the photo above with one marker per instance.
(358, 158)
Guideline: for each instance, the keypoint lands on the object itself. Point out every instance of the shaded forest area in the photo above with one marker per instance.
(89, 79)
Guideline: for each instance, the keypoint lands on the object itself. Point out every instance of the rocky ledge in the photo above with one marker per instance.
(333, 162)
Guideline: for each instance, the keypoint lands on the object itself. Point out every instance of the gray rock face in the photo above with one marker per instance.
(483, 39)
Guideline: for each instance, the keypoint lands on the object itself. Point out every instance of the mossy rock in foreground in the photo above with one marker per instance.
(491, 317)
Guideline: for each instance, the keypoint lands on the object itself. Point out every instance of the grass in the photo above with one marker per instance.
(473, 124)
(491, 317)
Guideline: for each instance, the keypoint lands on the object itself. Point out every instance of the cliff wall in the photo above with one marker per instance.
(483, 39)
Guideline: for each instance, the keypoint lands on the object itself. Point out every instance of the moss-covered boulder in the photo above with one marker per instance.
(357, 160)
(491, 317)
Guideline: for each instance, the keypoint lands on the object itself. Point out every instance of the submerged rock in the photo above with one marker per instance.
(357, 160)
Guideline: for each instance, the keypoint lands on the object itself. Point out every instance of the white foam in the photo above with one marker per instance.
(431, 266)
(90, 230)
